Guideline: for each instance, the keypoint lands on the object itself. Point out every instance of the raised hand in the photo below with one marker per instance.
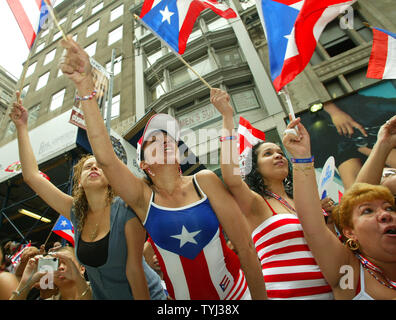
(221, 100)
(19, 114)
(75, 64)
(387, 133)
(298, 146)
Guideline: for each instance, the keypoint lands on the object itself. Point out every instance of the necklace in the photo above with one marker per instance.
(280, 199)
(94, 233)
(372, 267)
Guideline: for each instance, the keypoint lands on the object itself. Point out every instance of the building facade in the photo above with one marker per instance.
(232, 55)
(7, 91)
(98, 26)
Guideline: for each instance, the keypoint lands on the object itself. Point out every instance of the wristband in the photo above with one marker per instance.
(227, 138)
(305, 160)
(90, 97)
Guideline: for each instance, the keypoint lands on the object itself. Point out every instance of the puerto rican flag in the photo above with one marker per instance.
(193, 255)
(248, 136)
(293, 28)
(16, 258)
(31, 16)
(173, 20)
(64, 228)
(382, 64)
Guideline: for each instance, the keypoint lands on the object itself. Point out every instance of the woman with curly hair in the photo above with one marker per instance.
(266, 199)
(108, 239)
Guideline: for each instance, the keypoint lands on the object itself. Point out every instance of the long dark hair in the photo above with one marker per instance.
(256, 182)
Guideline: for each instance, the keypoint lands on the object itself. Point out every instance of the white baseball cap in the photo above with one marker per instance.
(158, 122)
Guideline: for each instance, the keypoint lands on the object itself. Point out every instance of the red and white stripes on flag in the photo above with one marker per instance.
(382, 64)
(31, 16)
(310, 23)
(248, 136)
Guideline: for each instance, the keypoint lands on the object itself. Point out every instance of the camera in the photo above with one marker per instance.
(47, 264)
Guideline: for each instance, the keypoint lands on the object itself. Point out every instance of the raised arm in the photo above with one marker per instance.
(55, 198)
(371, 172)
(236, 227)
(76, 66)
(229, 153)
(329, 252)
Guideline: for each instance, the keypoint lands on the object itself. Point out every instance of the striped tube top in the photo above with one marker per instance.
(289, 268)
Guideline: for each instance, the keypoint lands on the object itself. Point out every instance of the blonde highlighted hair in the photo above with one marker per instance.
(80, 202)
(358, 193)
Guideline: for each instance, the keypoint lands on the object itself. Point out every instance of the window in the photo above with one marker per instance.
(184, 75)
(31, 68)
(33, 114)
(194, 35)
(49, 57)
(76, 22)
(56, 36)
(10, 129)
(80, 8)
(115, 35)
(158, 91)
(358, 79)
(25, 90)
(117, 12)
(335, 40)
(117, 65)
(97, 8)
(57, 100)
(115, 107)
(245, 100)
(63, 20)
(92, 28)
(42, 81)
(40, 47)
(334, 88)
(91, 49)
(218, 24)
(44, 33)
(247, 4)
(153, 57)
(57, 3)
(230, 57)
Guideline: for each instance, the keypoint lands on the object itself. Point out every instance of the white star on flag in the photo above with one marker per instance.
(186, 236)
(166, 15)
(64, 223)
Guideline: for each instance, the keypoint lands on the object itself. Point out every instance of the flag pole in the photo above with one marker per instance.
(186, 63)
(52, 13)
(285, 91)
(24, 72)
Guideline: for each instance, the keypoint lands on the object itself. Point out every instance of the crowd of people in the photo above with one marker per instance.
(170, 236)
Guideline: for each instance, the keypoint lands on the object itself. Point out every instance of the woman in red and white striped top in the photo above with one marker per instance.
(265, 197)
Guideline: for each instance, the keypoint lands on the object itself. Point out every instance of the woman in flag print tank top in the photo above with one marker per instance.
(364, 268)
(265, 197)
(184, 215)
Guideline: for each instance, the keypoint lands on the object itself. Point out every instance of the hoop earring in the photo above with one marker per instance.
(352, 244)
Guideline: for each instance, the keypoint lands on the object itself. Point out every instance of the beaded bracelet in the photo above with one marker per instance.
(305, 160)
(227, 138)
(90, 97)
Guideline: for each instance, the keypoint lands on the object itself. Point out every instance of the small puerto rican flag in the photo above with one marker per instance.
(382, 64)
(248, 136)
(64, 228)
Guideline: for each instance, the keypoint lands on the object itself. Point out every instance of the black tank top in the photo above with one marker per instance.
(93, 254)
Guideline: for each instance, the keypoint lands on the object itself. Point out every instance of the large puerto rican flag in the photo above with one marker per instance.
(293, 28)
(173, 20)
(382, 64)
(31, 16)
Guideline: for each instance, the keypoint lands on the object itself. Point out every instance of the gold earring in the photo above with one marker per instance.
(352, 244)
